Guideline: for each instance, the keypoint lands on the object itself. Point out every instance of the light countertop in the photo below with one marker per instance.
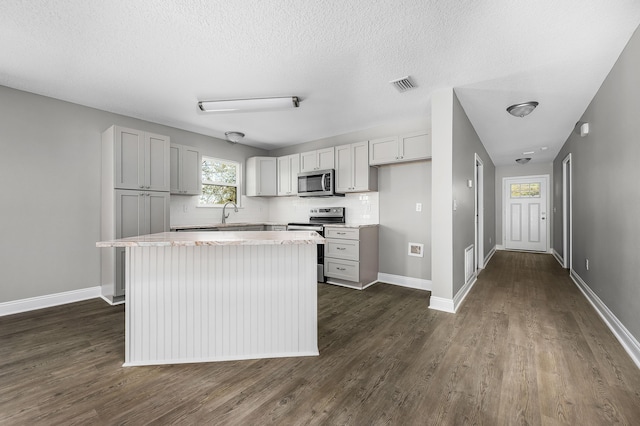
(221, 226)
(225, 225)
(350, 225)
(220, 238)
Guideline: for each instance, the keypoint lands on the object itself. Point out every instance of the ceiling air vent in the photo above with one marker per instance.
(403, 84)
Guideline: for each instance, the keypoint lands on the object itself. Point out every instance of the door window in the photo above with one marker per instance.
(525, 190)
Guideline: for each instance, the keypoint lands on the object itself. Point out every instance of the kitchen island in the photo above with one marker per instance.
(218, 296)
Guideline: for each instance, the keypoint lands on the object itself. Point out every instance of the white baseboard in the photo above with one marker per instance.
(459, 298)
(441, 304)
(626, 339)
(417, 283)
(40, 302)
(488, 257)
(499, 247)
(558, 257)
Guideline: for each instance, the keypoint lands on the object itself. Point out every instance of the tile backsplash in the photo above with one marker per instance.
(185, 211)
(361, 209)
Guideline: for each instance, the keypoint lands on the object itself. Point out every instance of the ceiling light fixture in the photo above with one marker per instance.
(234, 137)
(523, 160)
(255, 104)
(523, 109)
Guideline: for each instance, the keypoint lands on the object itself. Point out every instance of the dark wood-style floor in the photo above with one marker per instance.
(525, 348)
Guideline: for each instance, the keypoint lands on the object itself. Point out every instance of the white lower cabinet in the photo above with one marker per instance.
(351, 256)
(135, 213)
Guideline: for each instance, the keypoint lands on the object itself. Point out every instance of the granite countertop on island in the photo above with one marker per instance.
(221, 238)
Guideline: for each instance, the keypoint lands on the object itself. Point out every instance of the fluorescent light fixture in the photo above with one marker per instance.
(255, 104)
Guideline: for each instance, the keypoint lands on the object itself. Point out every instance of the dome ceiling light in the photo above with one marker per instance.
(234, 137)
(523, 160)
(523, 109)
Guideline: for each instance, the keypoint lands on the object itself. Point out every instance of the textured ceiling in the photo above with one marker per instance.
(154, 60)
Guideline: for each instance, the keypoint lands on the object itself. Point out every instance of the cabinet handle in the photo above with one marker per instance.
(141, 186)
(340, 248)
(341, 233)
(341, 269)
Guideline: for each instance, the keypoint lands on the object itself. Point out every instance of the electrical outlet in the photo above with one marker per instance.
(490, 240)
(586, 264)
(418, 207)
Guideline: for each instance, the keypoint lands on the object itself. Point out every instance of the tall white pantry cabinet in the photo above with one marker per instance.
(135, 196)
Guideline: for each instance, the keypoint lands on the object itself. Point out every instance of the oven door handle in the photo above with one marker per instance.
(304, 228)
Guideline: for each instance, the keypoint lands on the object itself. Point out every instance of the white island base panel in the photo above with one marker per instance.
(207, 303)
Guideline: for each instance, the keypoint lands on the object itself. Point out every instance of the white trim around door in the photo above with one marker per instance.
(567, 213)
(525, 205)
(478, 258)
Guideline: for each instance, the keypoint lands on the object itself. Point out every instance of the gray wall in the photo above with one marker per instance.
(50, 169)
(606, 205)
(466, 144)
(530, 169)
(401, 186)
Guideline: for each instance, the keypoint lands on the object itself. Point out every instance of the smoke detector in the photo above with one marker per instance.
(403, 84)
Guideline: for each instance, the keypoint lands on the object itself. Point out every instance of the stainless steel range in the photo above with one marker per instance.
(318, 217)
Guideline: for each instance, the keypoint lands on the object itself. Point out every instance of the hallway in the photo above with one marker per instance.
(555, 359)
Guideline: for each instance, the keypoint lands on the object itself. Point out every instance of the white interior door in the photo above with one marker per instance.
(525, 213)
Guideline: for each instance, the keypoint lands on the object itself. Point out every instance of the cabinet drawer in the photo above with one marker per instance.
(342, 249)
(345, 269)
(343, 233)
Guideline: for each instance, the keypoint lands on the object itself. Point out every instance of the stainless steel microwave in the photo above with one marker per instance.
(318, 183)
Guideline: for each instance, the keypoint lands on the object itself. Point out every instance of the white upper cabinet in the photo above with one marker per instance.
(261, 176)
(396, 149)
(288, 169)
(185, 170)
(321, 159)
(353, 173)
(141, 159)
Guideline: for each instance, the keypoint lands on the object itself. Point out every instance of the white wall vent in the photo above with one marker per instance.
(469, 273)
(403, 84)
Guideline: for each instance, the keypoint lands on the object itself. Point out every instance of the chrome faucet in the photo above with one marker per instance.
(224, 217)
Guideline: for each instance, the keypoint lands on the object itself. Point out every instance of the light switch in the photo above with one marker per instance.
(418, 207)
(470, 183)
(455, 205)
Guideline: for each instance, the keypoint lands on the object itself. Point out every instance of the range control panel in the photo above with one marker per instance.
(326, 212)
